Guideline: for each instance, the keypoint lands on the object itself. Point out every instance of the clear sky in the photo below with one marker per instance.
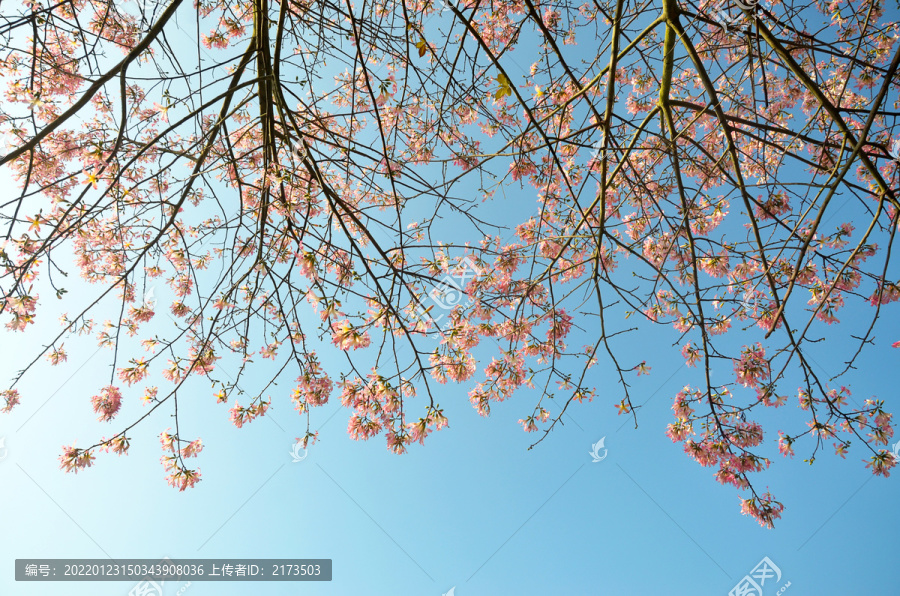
(473, 509)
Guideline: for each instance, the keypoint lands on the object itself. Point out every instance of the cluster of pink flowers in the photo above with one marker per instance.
(683, 426)
(241, 416)
(22, 309)
(752, 367)
(118, 444)
(203, 359)
(179, 476)
(690, 353)
(454, 364)
(10, 399)
(882, 462)
(376, 404)
(57, 356)
(886, 293)
(776, 205)
(313, 387)
(107, 403)
(530, 424)
(764, 509)
(135, 373)
(726, 437)
(74, 459)
(434, 420)
(345, 336)
(785, 445)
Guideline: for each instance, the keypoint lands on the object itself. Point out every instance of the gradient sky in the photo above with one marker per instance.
(473, 509)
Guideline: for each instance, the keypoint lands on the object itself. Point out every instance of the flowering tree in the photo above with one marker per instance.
(671, 163)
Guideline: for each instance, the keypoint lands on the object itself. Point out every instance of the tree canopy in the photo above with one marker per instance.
(497, 195)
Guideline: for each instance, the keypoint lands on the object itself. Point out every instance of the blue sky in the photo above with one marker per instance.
(473, 509)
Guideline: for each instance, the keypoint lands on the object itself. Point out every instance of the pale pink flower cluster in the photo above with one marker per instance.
(504, 376)
(715, 265)
(733, 469)
(107, 403)
(766, 394)
(785, 445)
(241, 415)
(434, 420)
(203, 359)
(10, 399)
(752, 367)
(690, 353)
(886, 293)
(73, 459)
(173, 371)
(882, 462)
(683, 426)
(133, 374)
(192, 449)
(179, 476)
(22, 308)
(764, 509)
(377, 405)
(530, 424)
(118, 444)
(56, 356)
(270, 350)
(313, 387)
(149, 394)
(345, 336)
(453, 364)
(142, 313)
(827, 300)
(775, 206)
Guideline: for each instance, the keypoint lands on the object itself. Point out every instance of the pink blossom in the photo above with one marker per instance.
(785, 445)
(182, 478)
(690, 353)
(881, 463)
(241, 416)
(73, 459)
(10, 399)
(344, 336)
(192, 449)
(107, 403)
(119, 445)
(642, 368)
(57, 356)
(752, 366)
(764, 509)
